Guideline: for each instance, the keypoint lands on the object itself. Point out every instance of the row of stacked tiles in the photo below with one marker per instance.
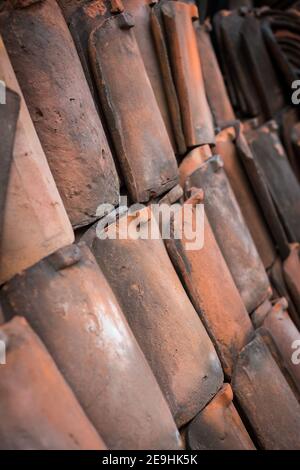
(123, 330)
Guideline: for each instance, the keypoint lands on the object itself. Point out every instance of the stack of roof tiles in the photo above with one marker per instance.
(143, 343)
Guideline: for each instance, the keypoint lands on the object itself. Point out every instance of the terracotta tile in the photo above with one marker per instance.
(227, 148)
(215, 89)
(181, 40)
(266, 398)
(281, 180)
(9, 115)
(141, 11)
(158, 34)
(134, 120)
(219, 426)
(38, 409)
(284, 333)
(35, 222)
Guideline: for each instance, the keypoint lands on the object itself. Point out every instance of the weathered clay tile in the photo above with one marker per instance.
(279, 359)
(284, 333)
(211, 288)
(9, 115)
(261, 312)
(243, 94)
(281, 180)
(175, 195)
(266, 398)
(260, 68)
(81, 21)
(219, 426)
(38, 409)
(35, 222)
(158, 33)
(185, 62)
(281, 289)
(226, 147)
(134, 120)
(191, 162)
(216, 92)
(55, 89)
(260, 188)
(141, 11)
(230, 229)
(71, 307)
(160, 315)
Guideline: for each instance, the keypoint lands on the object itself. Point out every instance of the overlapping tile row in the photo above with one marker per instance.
(143, 338)
(255, 88)
(261, 171)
